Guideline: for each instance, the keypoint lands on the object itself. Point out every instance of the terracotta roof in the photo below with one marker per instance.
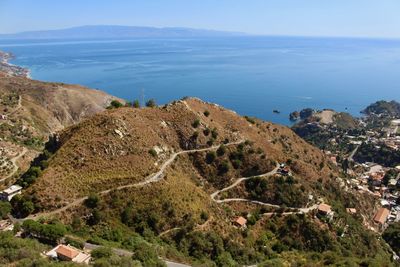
(324, 208)
(241, 221)
(381, 216)
(67, 252)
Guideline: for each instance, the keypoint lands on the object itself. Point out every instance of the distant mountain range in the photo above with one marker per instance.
(109, 31)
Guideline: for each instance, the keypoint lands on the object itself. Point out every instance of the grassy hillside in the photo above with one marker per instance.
(32, 110)
(115, 156)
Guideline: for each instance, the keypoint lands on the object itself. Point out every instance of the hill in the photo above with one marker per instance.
(382, 107)
(112, 31)
(178, 176)
(32, 110)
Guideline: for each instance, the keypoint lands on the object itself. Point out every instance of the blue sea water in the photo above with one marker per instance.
(251, 75)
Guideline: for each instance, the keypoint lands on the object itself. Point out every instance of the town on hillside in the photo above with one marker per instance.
(367, 149)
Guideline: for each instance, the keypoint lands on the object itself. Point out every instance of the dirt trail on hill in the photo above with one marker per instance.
(240, 180)
(158, 176)
(14, 162)
(153, 178)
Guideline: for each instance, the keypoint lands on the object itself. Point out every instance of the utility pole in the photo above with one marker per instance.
(142, 97)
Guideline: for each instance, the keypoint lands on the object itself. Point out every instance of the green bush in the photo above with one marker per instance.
(50, 232)
(5, 209)
(92, 201)
(136, 104)
(221, 151)
(153, 152)
(102, 252)
(115, 104)
(206, 113)
(147, 256)
(196, 123)
(210, 157)
(151, 103)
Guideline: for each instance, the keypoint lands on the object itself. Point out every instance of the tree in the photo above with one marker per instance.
(92, 201)
(102, 252)
(151, 103)
(136, 104)
(27, 208)
(225, 260)
(5, 209)
(196, 123)
(210, 157)
(115, 104)
(221, 151)
(392, 236)
(147, 256)
(96, 217)
(206, 113)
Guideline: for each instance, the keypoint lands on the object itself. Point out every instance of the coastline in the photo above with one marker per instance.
(11, 69)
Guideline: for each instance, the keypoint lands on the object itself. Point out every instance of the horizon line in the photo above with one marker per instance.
(246, 34)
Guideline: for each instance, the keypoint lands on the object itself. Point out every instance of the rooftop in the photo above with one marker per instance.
(381, 216)
(241, 221)
(12, 189)
(324, 208)
(66, 251)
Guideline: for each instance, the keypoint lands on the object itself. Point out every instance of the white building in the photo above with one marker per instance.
(9, 193)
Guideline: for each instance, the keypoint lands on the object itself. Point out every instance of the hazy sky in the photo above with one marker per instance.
(367, 18)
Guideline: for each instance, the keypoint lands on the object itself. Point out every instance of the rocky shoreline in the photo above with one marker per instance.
(11, 69)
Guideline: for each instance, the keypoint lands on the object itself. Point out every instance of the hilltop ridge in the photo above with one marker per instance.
(32, 110)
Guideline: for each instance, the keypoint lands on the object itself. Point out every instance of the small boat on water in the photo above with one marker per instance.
(276, 111)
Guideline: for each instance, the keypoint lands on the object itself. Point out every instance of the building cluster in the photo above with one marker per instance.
(374, 180)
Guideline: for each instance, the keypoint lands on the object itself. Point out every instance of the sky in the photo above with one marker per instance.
(352, 18)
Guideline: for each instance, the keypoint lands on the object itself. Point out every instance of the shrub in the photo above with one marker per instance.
(50, 232)
(195, 135)
(151, 103)
(136, 104)
(206, 132)
(102, 252)
(92, 201)
(221, 151)
(214, 133)
(210, 157)
(5, 209)
(115, 104)
(204, 216)
(249, 119)
(196, 123)
(206, 113)
(147, 256)
(223, 168)
(153, 152)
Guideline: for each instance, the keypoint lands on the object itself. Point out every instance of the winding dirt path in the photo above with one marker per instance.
(153, 178)
(240, 180)
(14, 162)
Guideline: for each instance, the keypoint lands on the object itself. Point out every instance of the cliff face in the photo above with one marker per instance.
(32, 110)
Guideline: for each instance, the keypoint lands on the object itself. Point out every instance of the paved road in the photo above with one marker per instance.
(126, 253)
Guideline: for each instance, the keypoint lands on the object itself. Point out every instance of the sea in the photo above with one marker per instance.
(251, 75)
